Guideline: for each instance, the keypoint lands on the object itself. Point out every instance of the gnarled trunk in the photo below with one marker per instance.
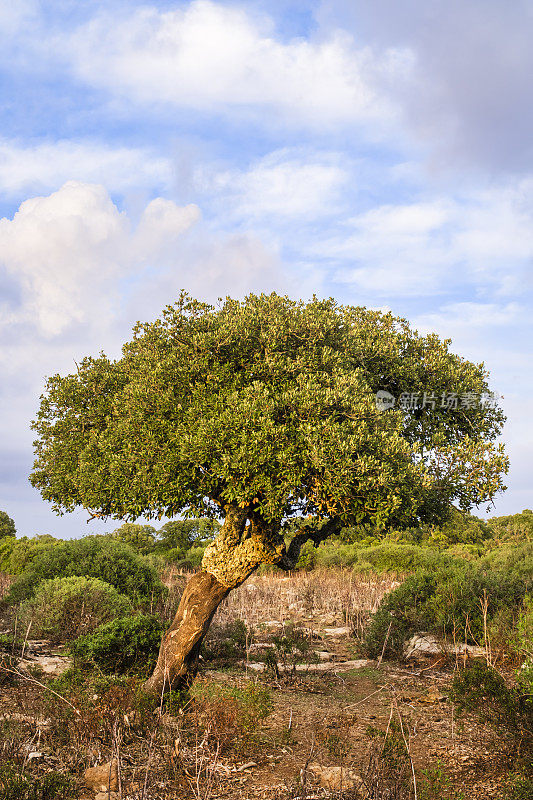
(235, 553)
(177, 663)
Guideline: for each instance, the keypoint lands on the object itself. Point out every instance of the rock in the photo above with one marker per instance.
(50, 665)
(323, 655)
(422, 644)
(335, 779)
(336, 633)
(324, 666)
(102, 777)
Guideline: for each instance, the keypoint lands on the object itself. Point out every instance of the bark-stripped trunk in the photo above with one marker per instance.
(236, 552)
(177, 663)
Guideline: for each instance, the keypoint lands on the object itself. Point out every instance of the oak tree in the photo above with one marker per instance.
(259, 412)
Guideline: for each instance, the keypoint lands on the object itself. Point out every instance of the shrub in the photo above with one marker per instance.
(16, 786)
(444, 601)
(514, 560)
(128, 645)
(63, 608)
(234, 714)
(227, 642)
(92, 557)
(17, 554)
(482, 690)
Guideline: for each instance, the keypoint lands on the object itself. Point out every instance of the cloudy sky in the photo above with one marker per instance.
(378, 152)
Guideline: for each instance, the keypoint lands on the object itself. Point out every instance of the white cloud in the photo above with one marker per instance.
(48, 165)
(483, 239)
(209, 56)
(68, 250)
(287, 184)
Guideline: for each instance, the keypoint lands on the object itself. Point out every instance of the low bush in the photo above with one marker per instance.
(92, 557)
(128, 645)
(482, 690)
(226, 642)
(14, 785)
(513, 560)
(64, 608)
(447, 601)
(233, 714)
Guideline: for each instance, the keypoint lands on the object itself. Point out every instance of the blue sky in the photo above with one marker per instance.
(380, 153)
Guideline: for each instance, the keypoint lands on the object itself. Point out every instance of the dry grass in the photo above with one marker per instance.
(327, 595)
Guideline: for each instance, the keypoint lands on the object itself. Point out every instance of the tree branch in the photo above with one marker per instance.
(309, 534)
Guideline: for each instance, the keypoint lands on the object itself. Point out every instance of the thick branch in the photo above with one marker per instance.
(309, 534)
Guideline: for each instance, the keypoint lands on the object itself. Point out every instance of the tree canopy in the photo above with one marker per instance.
(268, 406)
(7, 525)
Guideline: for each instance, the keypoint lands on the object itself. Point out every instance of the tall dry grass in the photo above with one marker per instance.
(331, 596)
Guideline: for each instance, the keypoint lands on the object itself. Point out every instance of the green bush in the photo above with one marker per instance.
(92, 557)
(480, 689)
(445, 601)
(17, 554)
(16, 786)
(515, 560)
(128, 645)
(63, 608)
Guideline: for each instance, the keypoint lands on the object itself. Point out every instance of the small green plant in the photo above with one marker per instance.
(290, 648)
(64, 608)
(437, 785)
(16, 786)
(128, 645)
(232, 714)
(480, 689)
(518, 786)
(226, 642)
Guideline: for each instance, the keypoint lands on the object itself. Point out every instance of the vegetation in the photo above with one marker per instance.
(263, 411)
(127, 645)
(7, 525)
(63, 608)
(92, 557)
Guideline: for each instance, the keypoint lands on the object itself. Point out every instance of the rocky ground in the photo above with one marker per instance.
(321, 739)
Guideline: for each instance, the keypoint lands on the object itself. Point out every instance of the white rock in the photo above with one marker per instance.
(335, 778)
(337, 632)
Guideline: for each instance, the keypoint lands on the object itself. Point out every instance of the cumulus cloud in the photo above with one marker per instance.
(68, 250)
(209, 56)
(43, 166)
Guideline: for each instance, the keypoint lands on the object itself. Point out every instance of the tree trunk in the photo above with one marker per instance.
(228, 561)
(177, 663)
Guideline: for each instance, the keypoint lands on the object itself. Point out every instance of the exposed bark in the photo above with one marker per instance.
(236, 552)
(177, 663)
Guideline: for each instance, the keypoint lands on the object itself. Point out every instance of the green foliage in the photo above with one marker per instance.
(513, 559)
(437, 785)
(518, 786)
(289, 648)
(7, 525)
(93, 557)
(140, 538)
(444, 601)
(268, 405)
(63, 608)
(17, 786)
(226, 642)
(17, 554)
(513, 528)
(180, 535)
(308, 556)
(480, 689)
(128, 645)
